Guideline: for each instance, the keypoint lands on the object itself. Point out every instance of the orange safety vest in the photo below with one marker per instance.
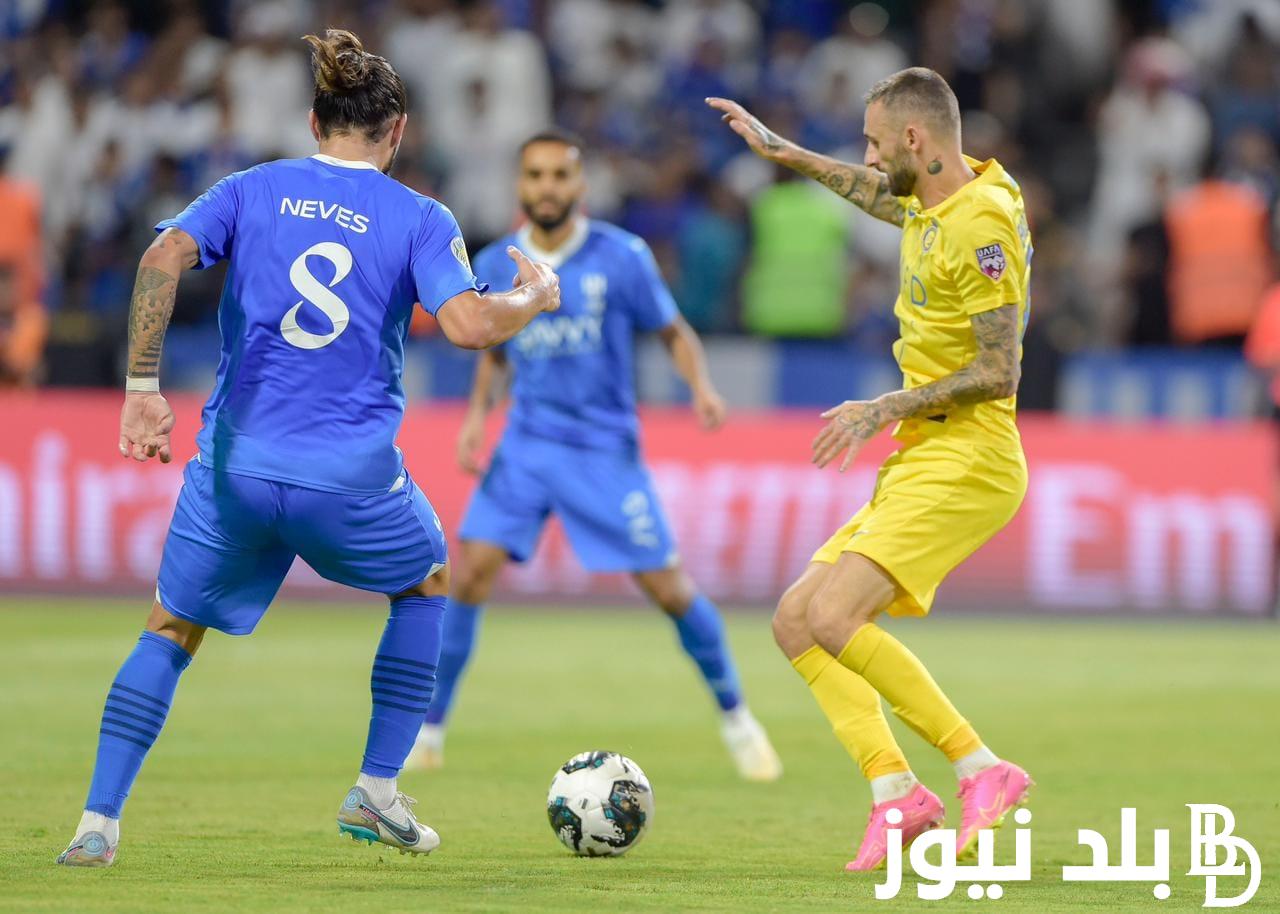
(1219, 263)
(20, 237)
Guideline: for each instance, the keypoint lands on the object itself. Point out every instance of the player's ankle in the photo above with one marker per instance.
(894, 786)
(382, 791)
(975, 763)
(108, 827)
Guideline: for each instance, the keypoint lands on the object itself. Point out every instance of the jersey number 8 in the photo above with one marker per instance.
(319, 295)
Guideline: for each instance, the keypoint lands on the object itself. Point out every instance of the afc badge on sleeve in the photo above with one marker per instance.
(991, 261)
(459, 248)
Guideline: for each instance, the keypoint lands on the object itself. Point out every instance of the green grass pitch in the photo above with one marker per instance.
(235, 807)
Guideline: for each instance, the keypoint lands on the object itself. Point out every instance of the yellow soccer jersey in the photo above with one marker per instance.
(969, 254)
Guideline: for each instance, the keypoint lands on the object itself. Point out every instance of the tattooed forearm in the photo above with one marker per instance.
(153, 293)
(992, 375)
(864, 187)
(149, 313)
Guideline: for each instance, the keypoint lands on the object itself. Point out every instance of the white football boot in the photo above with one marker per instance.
(749, 746)
(393, 825)
(95, 843)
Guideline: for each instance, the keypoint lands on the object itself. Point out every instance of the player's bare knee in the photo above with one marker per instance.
(187, 635)
(434, 585)
(790, 625)
(833, 618)
(672, 590)
(474, 584)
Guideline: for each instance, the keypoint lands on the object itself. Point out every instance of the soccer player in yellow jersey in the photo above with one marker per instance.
(959, 474)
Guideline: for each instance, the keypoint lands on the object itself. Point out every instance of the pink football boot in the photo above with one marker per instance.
(921, 811)
(988, 796)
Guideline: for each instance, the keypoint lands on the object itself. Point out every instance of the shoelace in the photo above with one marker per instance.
(407, 802)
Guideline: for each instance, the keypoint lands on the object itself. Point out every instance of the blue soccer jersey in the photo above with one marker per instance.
(574, 368)
(327, 259)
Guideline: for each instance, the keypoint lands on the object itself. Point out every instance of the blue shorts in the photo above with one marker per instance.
(234, 537)
(605, 500)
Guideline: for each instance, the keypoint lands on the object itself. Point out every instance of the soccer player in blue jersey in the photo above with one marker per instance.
(296, 457)
(571, 446)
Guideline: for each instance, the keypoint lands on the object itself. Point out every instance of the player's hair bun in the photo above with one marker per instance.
(339, 61)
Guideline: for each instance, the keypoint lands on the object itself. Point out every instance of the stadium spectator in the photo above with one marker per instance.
(267, 77)
(1147, 126)
(495, 91)
(23, 328)
(20, 234)
(111, 48)
(1246, 96)
(1250, 159)
(418, 37)
(797, 280)
(730, 24)
(849, 62)
(711, 244)
(1219, 259)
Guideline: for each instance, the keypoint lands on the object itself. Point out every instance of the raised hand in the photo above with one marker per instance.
(537, 276)
(763, 141)
(145, 423)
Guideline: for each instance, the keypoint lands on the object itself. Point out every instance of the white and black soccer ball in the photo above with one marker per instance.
(600, 804)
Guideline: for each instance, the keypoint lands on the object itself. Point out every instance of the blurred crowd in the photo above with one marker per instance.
(1144, 136)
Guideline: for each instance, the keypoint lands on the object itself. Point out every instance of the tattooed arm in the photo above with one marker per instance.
(864, 187)
(146, 419)
(153, 293)
(992, 375)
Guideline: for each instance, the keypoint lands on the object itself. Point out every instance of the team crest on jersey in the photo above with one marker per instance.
(594, 287)
(991, 261)
(459, 248)
(930, 235)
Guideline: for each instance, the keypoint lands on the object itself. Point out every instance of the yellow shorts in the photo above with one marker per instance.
(935, 502)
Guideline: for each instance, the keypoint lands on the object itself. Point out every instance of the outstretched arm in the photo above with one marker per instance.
(473, 320)
(146, 419)
(992, 375)
(864, 187)
(690, 361)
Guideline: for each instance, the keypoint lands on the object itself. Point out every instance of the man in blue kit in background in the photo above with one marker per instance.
(571, 445)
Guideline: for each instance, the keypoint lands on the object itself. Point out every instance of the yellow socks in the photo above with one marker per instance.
(897, 674)
(854, 709)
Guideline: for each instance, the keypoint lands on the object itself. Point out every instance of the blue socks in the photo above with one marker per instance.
(404, 677)
(137, 705)
(460, 623)
(702, 636)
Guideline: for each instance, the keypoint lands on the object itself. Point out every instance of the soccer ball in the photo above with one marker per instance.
(600, 804)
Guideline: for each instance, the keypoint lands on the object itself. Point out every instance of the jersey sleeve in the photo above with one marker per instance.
(439, 260)
(211, 220)
(987, 260)
(652, 305)
(494, 268)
